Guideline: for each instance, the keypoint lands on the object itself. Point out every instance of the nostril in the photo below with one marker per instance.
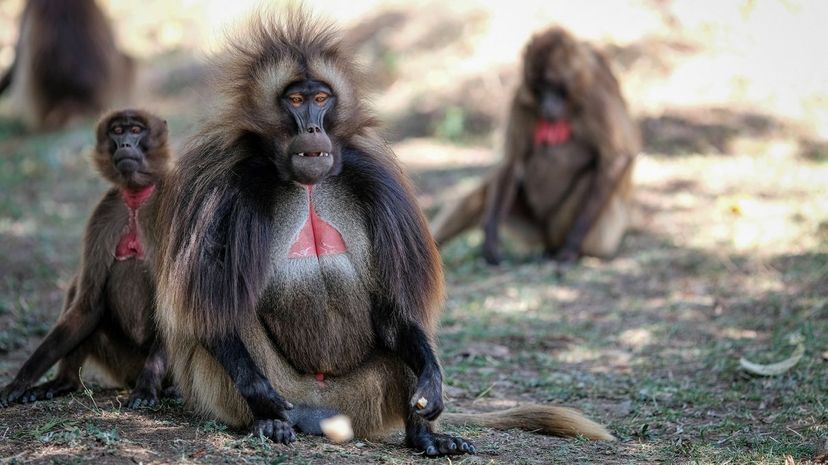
(310, 129)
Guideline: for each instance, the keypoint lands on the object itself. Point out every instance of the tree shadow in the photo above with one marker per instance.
(438, 180)
(704, 130)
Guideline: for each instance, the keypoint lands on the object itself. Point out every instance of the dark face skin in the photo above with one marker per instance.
(126, 136)
(552, 103)
(549, 92)
(310, 151)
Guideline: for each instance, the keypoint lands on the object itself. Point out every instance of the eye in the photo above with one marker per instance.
(295, 99)
(135, 129)
(118, 130)
(320, 98)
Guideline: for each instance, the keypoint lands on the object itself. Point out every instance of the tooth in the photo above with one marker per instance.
(301, 154)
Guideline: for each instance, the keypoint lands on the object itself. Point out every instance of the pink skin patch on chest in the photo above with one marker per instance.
(320, 379)
(316, 238)
(552, 132)
(129, 245)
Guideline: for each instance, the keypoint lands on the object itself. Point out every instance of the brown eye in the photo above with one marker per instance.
(320, 98)
(295, 99)
(118, 130)
(136, 129)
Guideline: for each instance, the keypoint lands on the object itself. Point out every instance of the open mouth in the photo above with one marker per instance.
(313, 154)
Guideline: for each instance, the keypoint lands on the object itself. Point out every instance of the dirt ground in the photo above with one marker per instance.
(728, 258)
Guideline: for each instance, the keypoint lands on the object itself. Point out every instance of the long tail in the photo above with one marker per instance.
(460, 215)
(543, 419)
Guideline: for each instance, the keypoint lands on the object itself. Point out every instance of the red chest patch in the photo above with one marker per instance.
(129, 245)
(317, 237)
(552, 133)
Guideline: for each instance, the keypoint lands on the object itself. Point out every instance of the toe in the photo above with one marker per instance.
(446, 446)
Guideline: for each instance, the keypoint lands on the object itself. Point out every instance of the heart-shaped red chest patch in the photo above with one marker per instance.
(317, 237)
(129, 245)
(552, 132)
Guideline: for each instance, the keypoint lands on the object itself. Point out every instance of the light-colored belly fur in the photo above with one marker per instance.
(318, 308)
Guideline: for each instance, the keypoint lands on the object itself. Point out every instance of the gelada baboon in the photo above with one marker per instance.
(298, 278)
(569, 150)
(107, 318)
(66, 64)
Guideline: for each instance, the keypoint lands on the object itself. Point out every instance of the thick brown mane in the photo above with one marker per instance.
(246, 321)
(272, 50)
(577, 66)
(157, 158)
(66, 65)
(223, 168)
(575, 80)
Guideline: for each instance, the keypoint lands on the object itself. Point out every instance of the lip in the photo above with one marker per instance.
(126, 158)
(127, 164)
(312, 154)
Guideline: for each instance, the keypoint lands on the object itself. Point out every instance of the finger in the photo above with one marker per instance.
(286, 434)
(264, 428)
(282, 403)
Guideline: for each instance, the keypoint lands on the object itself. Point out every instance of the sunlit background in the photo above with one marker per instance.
(758, 55)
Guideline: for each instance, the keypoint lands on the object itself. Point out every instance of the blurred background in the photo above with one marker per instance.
(728, 258)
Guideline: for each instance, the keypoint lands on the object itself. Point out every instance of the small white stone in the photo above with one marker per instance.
(337, 429)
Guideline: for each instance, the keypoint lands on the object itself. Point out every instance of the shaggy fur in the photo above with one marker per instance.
(107, 319)
(66, 64)
(576, 196)
(247, 326)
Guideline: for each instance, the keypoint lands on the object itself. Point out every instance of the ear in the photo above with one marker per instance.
(103, 125)
(587, 68)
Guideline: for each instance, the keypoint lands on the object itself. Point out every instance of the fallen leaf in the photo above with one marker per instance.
(774, 369)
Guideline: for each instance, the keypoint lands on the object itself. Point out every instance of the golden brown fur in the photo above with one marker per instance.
(576, 196)
(66, 64)
(248, 327)
(107, 319)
